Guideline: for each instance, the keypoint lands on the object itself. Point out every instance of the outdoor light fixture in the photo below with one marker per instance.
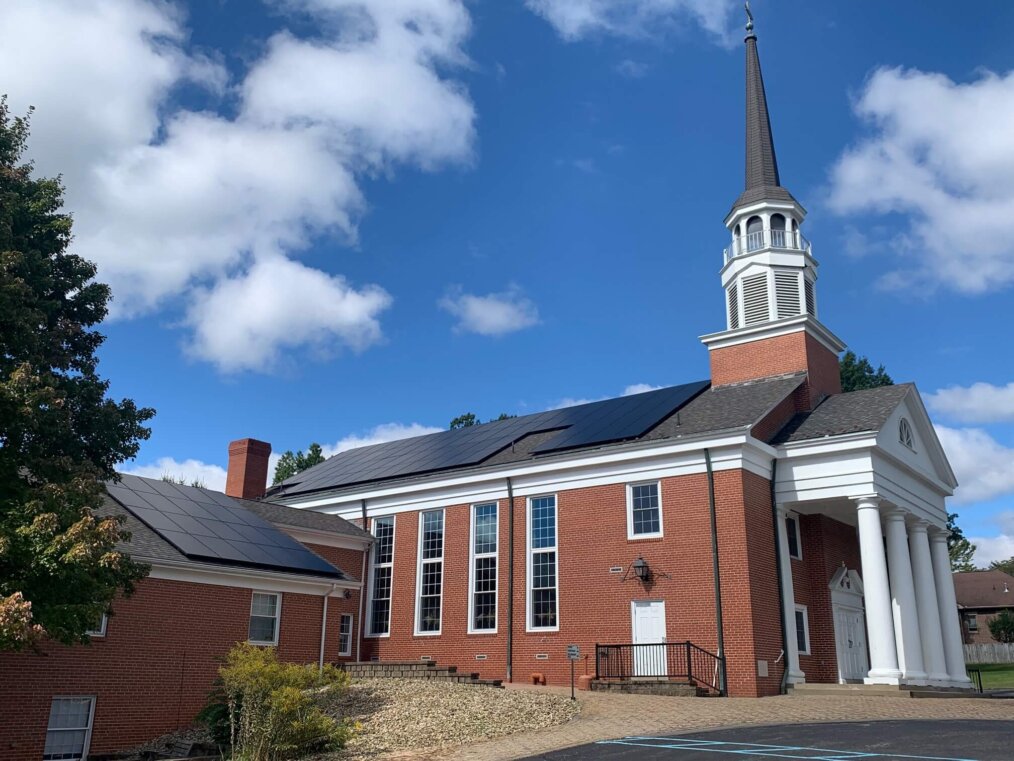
(641, 569)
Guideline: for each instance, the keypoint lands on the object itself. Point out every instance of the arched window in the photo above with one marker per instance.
(778, 230)
(794, 240)
(905, 433)
(754, 234)
(737, 241)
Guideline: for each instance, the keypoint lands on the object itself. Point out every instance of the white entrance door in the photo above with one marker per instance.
(649, 629)
(850, 638)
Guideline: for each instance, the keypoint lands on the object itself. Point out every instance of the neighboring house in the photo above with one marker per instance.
(981, 596)
(223, 570)
(499, 545)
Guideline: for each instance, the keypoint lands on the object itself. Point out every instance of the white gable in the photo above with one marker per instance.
(921, 450)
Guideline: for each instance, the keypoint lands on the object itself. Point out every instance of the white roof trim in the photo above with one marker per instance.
(246, 578)
(803, 322)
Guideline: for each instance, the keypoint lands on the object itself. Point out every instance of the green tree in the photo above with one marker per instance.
(469, 419)
(60, 435)
(857, 373)
(1002, 627)
(959, 548)
(1007, 566)
(290, 464)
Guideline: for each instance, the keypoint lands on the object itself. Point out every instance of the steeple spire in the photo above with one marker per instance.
(762, 181)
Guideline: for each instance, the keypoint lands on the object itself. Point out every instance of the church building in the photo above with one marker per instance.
(745, 533)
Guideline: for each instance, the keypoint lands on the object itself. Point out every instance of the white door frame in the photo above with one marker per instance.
(643, 658)
(847, 595)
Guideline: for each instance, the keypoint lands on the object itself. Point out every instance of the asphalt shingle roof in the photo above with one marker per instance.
(984, 589)
(854, 412)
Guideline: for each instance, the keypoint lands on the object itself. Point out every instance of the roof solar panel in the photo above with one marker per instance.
(208, 526)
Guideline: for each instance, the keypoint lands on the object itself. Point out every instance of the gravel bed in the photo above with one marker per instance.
(400, 715)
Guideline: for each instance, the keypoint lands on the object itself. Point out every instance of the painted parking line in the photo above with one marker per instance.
(760, 750)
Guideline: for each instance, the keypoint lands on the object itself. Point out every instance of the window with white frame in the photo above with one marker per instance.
(972, 622)
(345, 634)
(644, 511)
(431, 572)
(264, 613)
(542, 563)
(485, 534)
(99, 628)
(792, 531)
(802, 630)
(381, 575)
(70, 728)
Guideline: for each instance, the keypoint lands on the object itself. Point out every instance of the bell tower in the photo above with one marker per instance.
(769, 274)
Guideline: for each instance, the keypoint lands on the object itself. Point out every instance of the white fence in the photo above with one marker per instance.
(996, 652)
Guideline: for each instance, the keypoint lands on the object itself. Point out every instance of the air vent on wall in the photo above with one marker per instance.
(542, 656)
(480, 657)
(811, 304)
(787, 294)
(733, 307)
(755, 299)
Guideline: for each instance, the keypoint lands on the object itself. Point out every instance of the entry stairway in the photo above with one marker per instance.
(414, 670)
(881, 691)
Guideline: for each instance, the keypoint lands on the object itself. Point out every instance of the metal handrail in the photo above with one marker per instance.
(665, 660)
(976, 676)
(790, 240)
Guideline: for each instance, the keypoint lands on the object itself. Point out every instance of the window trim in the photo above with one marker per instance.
(806, 629)
(346, 652)
(101, 631)
(419, 561)
(631, 536)
(472, 557)
(373, 575)
(906, 437)
(972, 622)
(278, 618)
(529, 612)
(794, 517)
(92, 699)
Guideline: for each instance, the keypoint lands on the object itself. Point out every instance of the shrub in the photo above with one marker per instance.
(275, 708)
(1002, 627)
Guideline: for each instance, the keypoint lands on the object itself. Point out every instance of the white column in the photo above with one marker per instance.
(796, 674)
(905, 612)
(879, 619)
(950, 627)
(926, 600)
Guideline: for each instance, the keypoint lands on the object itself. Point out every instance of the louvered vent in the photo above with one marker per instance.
(811, 305)
(787, 294)
(733, 307)
(755, 299)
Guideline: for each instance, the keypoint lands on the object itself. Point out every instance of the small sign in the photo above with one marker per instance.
(573, 652)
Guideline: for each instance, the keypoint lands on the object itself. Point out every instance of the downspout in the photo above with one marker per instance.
(716, 572)
(510, 581)
(363, 587)
(784, 687)
(323, 627)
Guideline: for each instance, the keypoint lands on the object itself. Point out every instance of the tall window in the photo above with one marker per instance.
(345, 635)
(644, 511)
(431, 571)
(802, 630)
(70, 728)
(792, 531)
(542, 569)
(482, 616)
(264, 610)
(383, 566)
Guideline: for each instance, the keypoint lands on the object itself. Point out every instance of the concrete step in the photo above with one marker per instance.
(879, 690)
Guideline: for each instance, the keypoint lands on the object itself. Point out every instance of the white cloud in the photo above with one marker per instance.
(639, 388)
(378, 435)
(992, 548)
(494, 314)
(575, 19)
(978, 403)
(633, 388)
(984, 466)
(247, 322)
(173, 203)
(631, 69)
(212, 476)
(941, 154)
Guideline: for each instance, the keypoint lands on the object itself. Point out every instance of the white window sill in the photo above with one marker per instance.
(635, 537)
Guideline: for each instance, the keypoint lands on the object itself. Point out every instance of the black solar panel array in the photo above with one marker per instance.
(582, 425)
(208, 525)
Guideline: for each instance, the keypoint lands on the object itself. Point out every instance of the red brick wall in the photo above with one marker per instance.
(779, 355)
(826, 544)
(594, 603)
(153, 670)
(982, 636)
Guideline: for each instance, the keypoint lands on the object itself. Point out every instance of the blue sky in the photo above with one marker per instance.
(342, 221)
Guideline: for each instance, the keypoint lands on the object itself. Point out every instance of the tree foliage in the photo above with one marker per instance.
(290, 464)
(60, 435)
(1007, 566)
(961, 550)
(857, 373)
(469, 419)
(1002, 627)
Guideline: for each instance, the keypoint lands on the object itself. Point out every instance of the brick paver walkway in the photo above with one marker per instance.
(605, 716)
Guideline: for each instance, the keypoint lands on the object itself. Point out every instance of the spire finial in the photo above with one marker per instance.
(749, 18)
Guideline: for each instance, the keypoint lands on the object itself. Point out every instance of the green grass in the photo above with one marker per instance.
(995, 676)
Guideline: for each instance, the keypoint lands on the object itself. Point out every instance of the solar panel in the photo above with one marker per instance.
(601, 422)
(205, 525)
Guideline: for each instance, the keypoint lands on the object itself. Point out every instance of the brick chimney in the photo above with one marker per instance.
(248, 468)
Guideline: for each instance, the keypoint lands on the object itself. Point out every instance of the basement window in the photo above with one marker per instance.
(70, 728)
(264, 613)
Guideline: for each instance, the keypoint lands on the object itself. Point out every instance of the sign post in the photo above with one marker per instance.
(573, 653)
